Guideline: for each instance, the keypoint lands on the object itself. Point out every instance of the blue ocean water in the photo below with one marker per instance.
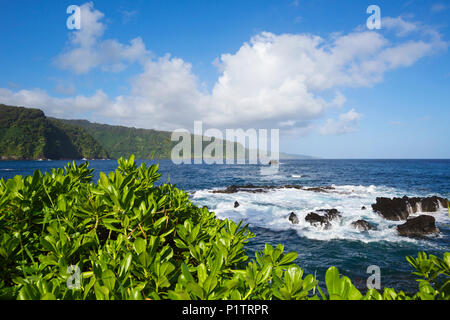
(356, 183)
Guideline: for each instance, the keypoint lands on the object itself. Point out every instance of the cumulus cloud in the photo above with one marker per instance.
(273, 80)
(164, 96)
(347, 123)
(401, 26)
(71, 106)
(86, 50)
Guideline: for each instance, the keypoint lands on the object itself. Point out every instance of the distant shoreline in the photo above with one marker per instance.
(281, 159)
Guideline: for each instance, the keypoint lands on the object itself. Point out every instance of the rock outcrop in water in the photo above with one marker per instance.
(398, 209)
(431, 204)
(420, 226)
(247, 188)
(391, 209)
(362, 225)
(323, 221)
(293, 218)
(260, 189)
(319, 189)
(317, 220)
(236, 204)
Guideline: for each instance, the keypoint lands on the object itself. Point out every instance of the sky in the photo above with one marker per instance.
(311, 68)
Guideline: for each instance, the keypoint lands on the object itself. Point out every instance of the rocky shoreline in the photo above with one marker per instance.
(395, 209)
(259, 189)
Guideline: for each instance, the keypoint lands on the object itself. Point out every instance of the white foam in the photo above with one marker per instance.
(271, 210)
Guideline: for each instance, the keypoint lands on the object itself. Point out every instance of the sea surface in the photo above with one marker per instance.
(357, 183)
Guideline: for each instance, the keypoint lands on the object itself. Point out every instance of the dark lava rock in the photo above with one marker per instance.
(400, 208)
(320, 189)
(418, 227)
(259, 189)
(236, 204)
(391, 209)
(293, 218)
(362, 225)
(433, 204)
(292, 186)
(317, 220)
(248, 188)
(331, 214)
(323, 221)
(363, 208)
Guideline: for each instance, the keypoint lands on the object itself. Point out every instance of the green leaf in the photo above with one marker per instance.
(288, 258)
(101, 292)
(335, 285)
(109, 279)
(140, 245)
(125, 265)
(28, 292)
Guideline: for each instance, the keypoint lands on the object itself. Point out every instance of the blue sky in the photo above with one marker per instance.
(310, 68)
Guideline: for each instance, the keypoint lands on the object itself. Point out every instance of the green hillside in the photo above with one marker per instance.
(143, 143)
(123, 141)
(27, 134)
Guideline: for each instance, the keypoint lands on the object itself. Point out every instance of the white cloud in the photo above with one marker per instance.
(287, 123)
(401, 26)
(347, 123)
(38, 98)
(86, 51)
(164, 96)
(288, 80)
(438, 7)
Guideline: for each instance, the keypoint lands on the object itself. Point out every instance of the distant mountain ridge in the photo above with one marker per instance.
(289, 156)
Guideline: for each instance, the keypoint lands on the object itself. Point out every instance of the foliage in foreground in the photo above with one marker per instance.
(132, 239)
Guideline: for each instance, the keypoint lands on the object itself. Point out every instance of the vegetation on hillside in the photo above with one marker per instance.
(27, 134)
(84, 143)
(63, 236)
(122, 141)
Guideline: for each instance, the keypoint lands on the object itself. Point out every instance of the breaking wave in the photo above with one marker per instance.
(271, 210)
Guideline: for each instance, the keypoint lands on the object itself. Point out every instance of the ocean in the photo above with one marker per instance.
(356, 183)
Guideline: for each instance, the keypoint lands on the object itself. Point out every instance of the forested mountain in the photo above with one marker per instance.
(123, 141)
(27, 134)
(143, 143)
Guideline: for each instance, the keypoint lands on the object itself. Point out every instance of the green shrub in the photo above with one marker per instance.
(132, 239)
